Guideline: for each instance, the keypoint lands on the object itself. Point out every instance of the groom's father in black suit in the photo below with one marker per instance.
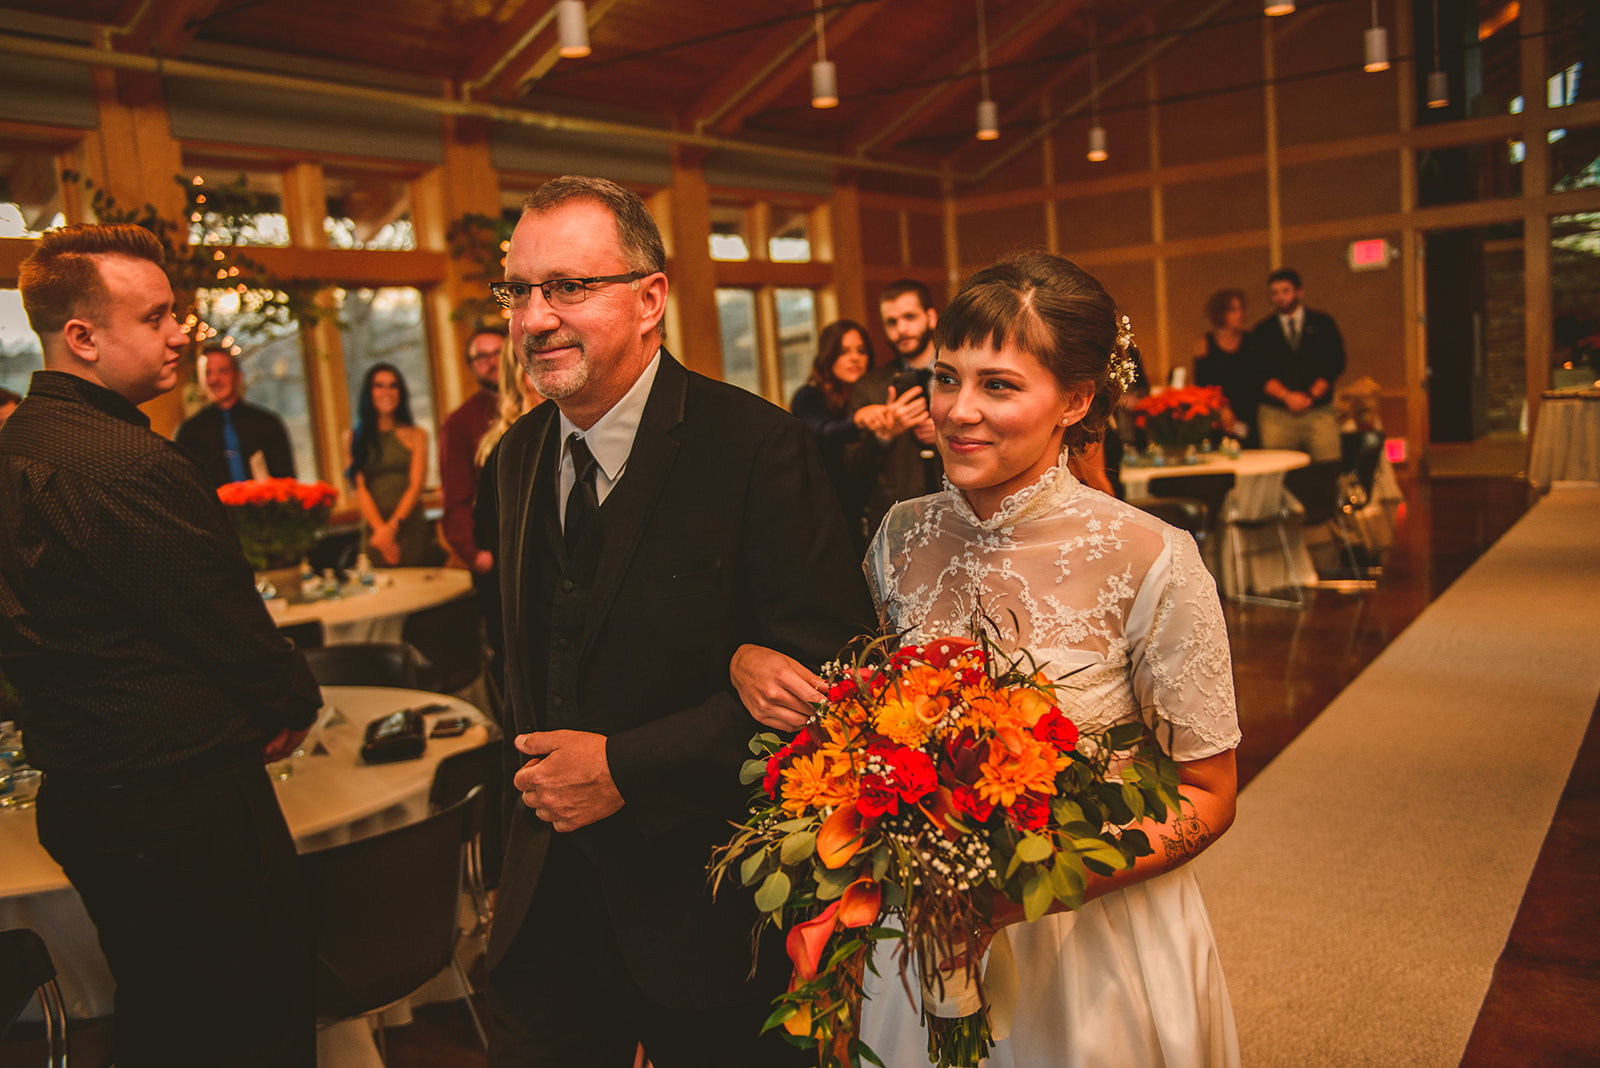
(1301, 356)
(651, 520)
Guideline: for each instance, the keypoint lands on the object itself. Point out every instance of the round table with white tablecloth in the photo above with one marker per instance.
(376, 613)
(329, 796)
(1566, 438)
(1257, 493)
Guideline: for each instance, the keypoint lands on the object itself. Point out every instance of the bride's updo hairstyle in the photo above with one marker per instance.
(1051, 308)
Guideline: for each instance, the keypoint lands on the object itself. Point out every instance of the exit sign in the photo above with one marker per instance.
(1372, 255)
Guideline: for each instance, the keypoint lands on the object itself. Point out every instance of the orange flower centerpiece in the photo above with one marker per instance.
(1175, 419)
(932, 782)
(277, 519)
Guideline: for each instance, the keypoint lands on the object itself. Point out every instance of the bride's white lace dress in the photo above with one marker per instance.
(1079, 578)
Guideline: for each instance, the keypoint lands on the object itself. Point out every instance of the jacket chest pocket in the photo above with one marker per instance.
(681, 584)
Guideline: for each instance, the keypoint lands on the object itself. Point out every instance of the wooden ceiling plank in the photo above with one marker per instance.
(527, 22)
(519, 79)
(1012, 39)
(751, 94)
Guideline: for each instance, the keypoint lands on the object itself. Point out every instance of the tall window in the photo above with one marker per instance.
(386, 326)
(736, 308)
(20, 354)
(272, 360)
(30, 194)
(369, 211)
(236, 207)
(797, 338)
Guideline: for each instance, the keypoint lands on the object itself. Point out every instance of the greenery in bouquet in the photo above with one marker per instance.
(277, 519)
(1178, 418)
(932, 782)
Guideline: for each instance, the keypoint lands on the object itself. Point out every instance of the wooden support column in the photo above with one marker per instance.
(1269, 93)
(1157, 370)
(1537, 311)
(1413, 271)
(849, 290)
(952, 240)
(693, 288)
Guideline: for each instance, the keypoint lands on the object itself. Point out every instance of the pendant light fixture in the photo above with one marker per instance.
(1277, 7)
(1376, 41)
(824, 77)
(1438, 80)
(1097, 133)
(572, 28)
(988, 113)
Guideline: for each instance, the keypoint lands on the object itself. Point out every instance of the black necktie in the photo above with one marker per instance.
(583, 501)
(1294, 334)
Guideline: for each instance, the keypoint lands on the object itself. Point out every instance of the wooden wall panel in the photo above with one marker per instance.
(1026, 171)
(1127, 134)
(985, 236)
(1216, 206)
(1191, 279)
(1340, 188)
(880, 236)
(1104, 221)
(1133, 287)
(1367, 305)
(925, 238)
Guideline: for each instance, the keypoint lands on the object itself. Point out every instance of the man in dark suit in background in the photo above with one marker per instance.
(1300, 356)
(227, 434)
(899, 462)
(651, 521)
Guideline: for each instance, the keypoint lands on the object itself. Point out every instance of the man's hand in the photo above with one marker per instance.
(569, 785)
(924, 430)
(1296, 401)
(777, 689)
(873, 417)
(905, 411)
(286, 742)
(483, 563)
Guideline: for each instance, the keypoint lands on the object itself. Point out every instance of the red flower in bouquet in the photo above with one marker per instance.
(277, 519)
(882, 806)
(1177, 418)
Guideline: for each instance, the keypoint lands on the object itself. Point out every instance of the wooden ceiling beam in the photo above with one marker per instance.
(519, 32)
(165, 31)
(520, 78)
(1012, 38)
(783, 57)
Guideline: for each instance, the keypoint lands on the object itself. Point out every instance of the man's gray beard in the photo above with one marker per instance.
(553, 383)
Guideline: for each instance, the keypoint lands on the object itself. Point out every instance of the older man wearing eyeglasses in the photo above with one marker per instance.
(651, 521)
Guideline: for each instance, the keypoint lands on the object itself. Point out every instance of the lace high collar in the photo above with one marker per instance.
(1053, 488)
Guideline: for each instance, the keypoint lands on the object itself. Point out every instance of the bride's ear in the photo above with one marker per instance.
(1078, 402)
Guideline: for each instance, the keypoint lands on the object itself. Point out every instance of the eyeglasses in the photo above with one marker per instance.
(556, 290)
(479, 357)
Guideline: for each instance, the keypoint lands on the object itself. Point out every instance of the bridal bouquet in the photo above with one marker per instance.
(277, 519)
(931, 783)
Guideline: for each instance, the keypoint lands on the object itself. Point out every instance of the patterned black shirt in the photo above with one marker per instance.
(129, 619)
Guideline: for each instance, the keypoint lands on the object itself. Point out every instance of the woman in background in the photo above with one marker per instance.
(844, 354)
(1223, 358)
(388, 462)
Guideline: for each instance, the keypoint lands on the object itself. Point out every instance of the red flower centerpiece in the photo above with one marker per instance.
(277, 519)
(1175, 419)
(932, 783)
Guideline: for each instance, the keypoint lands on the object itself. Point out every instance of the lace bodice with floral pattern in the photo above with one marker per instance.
(1080, 580)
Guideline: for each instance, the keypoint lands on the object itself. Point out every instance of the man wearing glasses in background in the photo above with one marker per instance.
(651, 521)
(458, 447)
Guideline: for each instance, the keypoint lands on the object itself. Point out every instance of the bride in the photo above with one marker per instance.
(1027, 370)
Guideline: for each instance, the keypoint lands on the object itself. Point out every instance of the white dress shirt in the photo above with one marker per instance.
(1293, 324)
(610, 440)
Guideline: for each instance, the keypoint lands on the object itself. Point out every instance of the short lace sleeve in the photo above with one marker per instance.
(885, 562)
(1178, 654)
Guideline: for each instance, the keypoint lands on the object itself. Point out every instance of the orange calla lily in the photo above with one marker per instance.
(800, 1023)
(805, 942)
(860, 903)
(839, 837)
(939, 806)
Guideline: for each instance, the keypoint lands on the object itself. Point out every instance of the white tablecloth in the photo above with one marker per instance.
(1566, 440)
(377, 613)
(1257, 493)
(326, 800)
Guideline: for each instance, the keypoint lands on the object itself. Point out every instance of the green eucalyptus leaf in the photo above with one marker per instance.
(752, 771)
(1065, 810)
(1036, 895)
(773, 893)
(790, 826)
(1034, 848)
(831, 882)
(1136, 843)
(797, 847)
(1124, 736)
(893, 896)
(750, 868)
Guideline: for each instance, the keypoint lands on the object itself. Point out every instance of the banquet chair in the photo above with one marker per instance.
(456, 777)
(1318, 489)
(1362, 454)
(450, 637)
(371, 664)
(385, 914)
(1278, 520)
(307, 635)
(26, 970)
(1211, 491)
(1185, 513)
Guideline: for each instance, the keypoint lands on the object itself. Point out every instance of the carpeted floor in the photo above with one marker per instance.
(1367, 889)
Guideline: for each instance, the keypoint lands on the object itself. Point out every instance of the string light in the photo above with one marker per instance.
(1376, 42)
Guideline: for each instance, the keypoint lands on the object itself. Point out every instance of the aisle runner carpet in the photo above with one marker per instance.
(1366, 890)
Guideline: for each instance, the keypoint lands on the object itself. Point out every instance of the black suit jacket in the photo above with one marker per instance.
(1320, 355)
(259, 431)
(894, 472)
(724, 529)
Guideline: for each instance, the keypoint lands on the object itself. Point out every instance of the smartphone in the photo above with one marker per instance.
(449, 728)
(903, 381)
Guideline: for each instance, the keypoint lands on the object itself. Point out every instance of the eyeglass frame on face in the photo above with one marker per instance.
(503, 291)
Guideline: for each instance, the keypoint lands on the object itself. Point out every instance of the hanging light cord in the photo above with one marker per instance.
(1436, 34)
(1094, 71)
(822, 41)
(983, 52)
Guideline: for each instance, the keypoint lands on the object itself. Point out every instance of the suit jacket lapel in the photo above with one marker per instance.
(628, 505)
(522, 462)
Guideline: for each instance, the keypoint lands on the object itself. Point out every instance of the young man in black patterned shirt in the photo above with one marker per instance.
(153, 681)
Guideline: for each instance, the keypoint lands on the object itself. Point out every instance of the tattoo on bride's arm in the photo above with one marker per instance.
(1190, 835)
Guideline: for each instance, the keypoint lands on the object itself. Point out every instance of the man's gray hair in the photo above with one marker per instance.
(637, 232)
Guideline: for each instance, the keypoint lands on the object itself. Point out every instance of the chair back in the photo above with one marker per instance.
(1360, 455)
(385, 910)
(1185, 513)
(450, 637)
(370, 664)
(459, 773)
(28, 970)
(1316, 487)
(1212, 490)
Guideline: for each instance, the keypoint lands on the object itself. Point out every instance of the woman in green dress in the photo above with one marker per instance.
(388, 462)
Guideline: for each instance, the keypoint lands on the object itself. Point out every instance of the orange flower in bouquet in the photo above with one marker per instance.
(1178, 418)
(277, 519)
(931, 782)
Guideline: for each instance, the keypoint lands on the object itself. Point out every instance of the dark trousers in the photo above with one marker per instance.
(562, 995)
(193, 885)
